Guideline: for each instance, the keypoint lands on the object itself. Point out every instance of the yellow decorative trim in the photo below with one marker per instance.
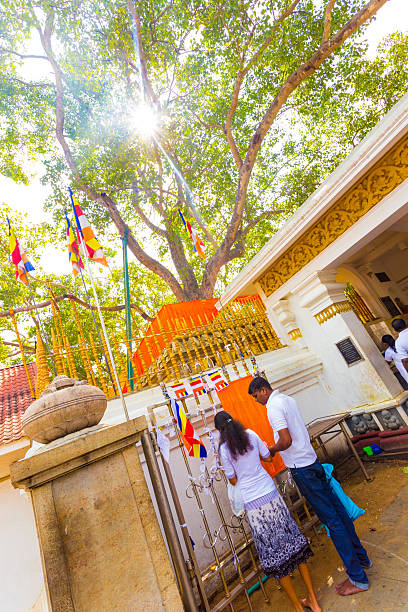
(378, 182)
(295, 334)
(331, 311)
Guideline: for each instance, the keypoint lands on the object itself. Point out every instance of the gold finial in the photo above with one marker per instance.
(43, 378)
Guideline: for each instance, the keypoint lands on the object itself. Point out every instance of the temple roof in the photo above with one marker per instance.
(15, 398)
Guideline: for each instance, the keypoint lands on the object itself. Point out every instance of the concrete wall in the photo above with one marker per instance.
(20, 563)
(347, 386)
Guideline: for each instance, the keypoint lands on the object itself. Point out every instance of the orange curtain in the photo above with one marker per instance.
(188, 314)
(242, 406)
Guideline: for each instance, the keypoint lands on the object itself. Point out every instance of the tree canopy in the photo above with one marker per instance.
(254, 103)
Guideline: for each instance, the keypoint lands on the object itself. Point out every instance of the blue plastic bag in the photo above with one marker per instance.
(351, 508)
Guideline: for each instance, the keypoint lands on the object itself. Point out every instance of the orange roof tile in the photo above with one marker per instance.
(15, 398)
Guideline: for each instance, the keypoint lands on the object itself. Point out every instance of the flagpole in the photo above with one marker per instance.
(127, 306)
(88, 301)
(86, 256)
(39, 319)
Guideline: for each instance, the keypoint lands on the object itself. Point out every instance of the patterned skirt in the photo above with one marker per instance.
(280, 544)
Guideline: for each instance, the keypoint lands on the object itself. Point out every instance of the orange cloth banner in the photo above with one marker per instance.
(242, 406)
(187, 314)
(182, 313)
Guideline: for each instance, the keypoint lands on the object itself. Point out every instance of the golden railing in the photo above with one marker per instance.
(358, 304)
(182, 349)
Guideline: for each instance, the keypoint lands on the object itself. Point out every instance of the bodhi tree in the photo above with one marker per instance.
(214, 87)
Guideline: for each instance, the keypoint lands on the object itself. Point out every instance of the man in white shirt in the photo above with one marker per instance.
(293, 443)
(401, 343)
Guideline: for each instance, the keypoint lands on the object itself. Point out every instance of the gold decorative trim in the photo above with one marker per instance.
(332, 310)
(295, 334)
(378, 182)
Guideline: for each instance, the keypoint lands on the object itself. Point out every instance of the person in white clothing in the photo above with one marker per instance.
(280, 544)
(401, 343)
(293, 443)
(391, 354)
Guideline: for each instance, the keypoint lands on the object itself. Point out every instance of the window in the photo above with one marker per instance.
(382, 277)
(390, 306)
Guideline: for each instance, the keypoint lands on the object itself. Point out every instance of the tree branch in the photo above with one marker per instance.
(3, 50)
(270, 38)
(71, 296)
(267, 214)
(145, 77)
(298, 76)
(148, 190)
(240, 78)
(29, 349)
(102, 198)
(139, 253)
(155, 228)
(327, 20)
(25, 84)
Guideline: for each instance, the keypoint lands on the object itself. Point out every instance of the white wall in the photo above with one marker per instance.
(20, 564)
(351, 386)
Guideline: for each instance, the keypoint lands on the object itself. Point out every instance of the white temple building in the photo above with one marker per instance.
(336, 274)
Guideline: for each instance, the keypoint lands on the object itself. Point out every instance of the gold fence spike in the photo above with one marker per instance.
(167, 344)
(21, 347)
(56, 351)
(43, 377)
(102, 381)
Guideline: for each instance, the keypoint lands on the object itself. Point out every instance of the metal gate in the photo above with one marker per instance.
(214, 558)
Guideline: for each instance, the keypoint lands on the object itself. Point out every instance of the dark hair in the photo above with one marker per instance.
(257, 384)
(399, 324)
(233, 433)
(388, 339)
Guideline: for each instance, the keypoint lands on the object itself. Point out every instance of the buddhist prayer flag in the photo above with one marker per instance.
(197, 242)
(217, 380)
(197, 385)
(84, 228)
(191, 441)
(18, 257)
(177, 391)
(73, 249)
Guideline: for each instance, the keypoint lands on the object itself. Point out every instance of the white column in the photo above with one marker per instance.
(288, 321)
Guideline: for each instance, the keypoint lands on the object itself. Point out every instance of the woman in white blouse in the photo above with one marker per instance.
(280, 544)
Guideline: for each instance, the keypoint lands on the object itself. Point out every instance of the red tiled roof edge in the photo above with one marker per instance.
(15, 398)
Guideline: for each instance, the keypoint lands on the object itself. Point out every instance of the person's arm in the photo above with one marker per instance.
(280, 425)
(263, 450)
(227, 465)
(405, 363)
(285, 440)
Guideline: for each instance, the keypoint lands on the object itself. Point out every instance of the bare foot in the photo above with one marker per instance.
(341, 584)
(347, 588)
(307, 603)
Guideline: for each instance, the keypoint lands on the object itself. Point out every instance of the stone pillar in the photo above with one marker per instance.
(326, 318)
(289, 322)
(101, 544)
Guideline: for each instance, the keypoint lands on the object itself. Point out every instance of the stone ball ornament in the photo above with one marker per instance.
(65, 406)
